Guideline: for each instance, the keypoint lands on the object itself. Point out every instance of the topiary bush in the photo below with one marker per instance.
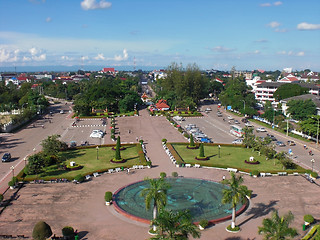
(68, 232)
(174, 174)
(108, 196)
(79, 178)
(163, 175)
(164, 140)
(314, 175)
(1, 197)
(255, 173)
(308, 218)
(204, 223)
(41, 231)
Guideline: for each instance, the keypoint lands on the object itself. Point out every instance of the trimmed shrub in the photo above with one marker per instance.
(11, 183)
(108, 196)
(201, 154)
(204, 223)
(164, 140)
(1, 197)
(41, 231)
(117, 155)
(163, 175)
(79, 178)
(314, 174)
(308, 171)
(174, 174)
(255, 173)
(235, 229)
(308, 218)
(149, 163)
(191, 141)
(68, 232)
(186, 135)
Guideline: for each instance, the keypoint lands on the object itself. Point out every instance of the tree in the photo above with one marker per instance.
(277, 228)
(41, 231)
(156, 193)
(289, 90)
(300, 109)
(118, 145)
(35, 164)
(201, 154)
(249, 137)
(310, 125)
(191, 141)
(175, 225)
(234, 194)
(51, 145)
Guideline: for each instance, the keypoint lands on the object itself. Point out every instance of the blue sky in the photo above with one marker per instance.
(247, 34)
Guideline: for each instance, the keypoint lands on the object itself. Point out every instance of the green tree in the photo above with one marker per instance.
(289, 90)
(249, 137)
(118, 145)
(175, 225)
(191, 141)
(52, 145)
(35, 164)
(234, 194)
(277, 228)
(201, 154)
(300, 109)
(41, 231)
(156, 194)
(310, 125)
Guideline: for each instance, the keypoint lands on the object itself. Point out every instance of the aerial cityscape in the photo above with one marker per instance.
(159, 120)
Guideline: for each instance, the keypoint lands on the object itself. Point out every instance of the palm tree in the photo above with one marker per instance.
(236, 193)
(277, 228)
(157, 192)
(175, 225)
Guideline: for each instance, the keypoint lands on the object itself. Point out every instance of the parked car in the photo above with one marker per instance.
(244, 120)
(236, 122)
(97, 134)
(230, 118)
(219, 114)
(208, 109)
(280, 144)
(206, 140)
(273, 138)
(291, 143)
(261, 129)
(6, 157)
(237, 141)
(61, 111)
(248, 124)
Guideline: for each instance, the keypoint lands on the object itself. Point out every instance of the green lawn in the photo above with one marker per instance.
(230, 156)
(87, 157)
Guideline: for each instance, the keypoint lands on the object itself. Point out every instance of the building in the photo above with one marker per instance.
(314, 98)
(289, 79)
(310, 76)
(264, 91)
(162, 105)
(108, 70)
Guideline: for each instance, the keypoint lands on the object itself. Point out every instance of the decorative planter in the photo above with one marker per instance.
(12, 187)
(108, 203)
(201, 159)
(201, 228)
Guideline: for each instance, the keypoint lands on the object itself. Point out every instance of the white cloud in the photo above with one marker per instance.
(8, 55)
(84, 58)
(66, 58)
(39, 58)
(99, 57)
(48, 19)
(222, 49)
(291, 53)
(281, 30)
(273, 24)
(121, 58)
(278, 3)
(308, 26)
(256, 52)
(26, 59)
(92, 4)
(33, 51)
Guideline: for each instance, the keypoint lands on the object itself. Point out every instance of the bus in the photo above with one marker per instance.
(236, 130)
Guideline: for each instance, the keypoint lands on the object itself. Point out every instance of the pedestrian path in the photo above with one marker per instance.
(89, 125)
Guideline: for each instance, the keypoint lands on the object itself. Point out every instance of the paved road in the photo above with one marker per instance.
(219, 131)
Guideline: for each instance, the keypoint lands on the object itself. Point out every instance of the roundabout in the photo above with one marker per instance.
(201, 197)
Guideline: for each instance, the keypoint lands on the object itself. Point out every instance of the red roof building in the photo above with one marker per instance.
(111, 70)
(162, 105)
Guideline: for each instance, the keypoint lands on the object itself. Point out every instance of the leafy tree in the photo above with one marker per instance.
(156, 193)
(51, 145)
(249, 137)
(118, 145)
(201, 154)
(234, 194)
(35, 164)
(310, 125)
(277, 227)
(41, 231)
(300, 109)
(289, 90)
(175, 225)
(192, 144)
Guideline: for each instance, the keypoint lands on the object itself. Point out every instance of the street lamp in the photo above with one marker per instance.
(219, 150)
(12, 169)
(312, 162)
(244, 106)
(97, 152)
(25, 161)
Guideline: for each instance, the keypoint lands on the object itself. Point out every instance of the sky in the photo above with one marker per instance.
(214, 34)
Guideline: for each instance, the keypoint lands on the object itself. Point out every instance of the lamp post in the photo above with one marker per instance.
(97, 152)
(244, 106)
(12, 169)
(287, 127)
(25, 162)
(219, 150)
(312, 162)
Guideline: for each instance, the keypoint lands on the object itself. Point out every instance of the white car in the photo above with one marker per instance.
(230, 118)
(261, 129)
(208, 109)
(248, 124)
(97, 134)
(237, 141)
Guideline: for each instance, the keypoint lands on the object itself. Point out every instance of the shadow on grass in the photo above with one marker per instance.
(69, 154)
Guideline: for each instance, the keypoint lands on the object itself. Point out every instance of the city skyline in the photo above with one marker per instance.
(248, 34)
